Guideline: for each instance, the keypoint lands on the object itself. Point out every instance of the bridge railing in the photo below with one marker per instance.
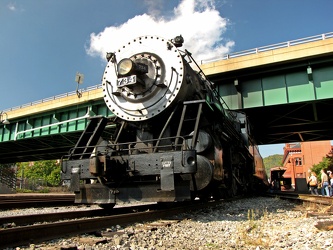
(270, 47)
(54, 97)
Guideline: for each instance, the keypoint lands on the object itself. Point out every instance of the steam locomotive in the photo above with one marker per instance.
(173, 138)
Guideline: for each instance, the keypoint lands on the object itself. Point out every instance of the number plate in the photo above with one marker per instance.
(125, 81)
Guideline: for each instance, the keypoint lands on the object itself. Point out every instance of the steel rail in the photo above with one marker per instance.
(21, 201)
(323, 200)
(24, 220)
(39, 233)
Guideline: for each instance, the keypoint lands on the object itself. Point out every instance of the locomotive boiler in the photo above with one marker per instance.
(173, 138)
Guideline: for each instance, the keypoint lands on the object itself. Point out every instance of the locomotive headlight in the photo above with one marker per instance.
(125, 67)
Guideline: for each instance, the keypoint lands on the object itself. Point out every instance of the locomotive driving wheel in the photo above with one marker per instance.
(107, 206)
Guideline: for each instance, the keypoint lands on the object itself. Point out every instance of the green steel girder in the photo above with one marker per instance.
(308, 81)
(285, 103)
(61, 121)
(48, 135)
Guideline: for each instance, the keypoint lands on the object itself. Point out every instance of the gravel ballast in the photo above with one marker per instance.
(252, 223)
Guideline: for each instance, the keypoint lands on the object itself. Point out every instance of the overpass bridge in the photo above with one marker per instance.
(286, 90)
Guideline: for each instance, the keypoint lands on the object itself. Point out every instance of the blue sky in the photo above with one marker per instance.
(44, 43)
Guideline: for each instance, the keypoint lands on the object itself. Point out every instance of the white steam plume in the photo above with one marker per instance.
(196, 20)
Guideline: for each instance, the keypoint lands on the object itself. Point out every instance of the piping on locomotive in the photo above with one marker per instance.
(174, 139)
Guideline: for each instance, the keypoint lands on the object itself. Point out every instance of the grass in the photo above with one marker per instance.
(252, 233)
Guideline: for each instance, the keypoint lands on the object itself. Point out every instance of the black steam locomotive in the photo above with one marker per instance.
(173, 139)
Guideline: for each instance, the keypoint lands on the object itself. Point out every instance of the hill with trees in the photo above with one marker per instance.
(273, 161)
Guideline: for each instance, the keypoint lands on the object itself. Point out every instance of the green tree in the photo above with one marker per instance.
(272, 161)
(329, 156)
(54, 178)
(49, 171)
(324, 164)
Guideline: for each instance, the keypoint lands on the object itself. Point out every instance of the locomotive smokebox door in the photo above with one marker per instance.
(167, 174)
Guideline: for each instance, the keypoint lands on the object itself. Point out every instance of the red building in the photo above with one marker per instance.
(298, 158)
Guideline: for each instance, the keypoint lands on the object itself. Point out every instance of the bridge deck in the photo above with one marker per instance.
(287, 94)
(266, 58)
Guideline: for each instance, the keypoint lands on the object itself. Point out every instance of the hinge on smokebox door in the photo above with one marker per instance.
(167, 174)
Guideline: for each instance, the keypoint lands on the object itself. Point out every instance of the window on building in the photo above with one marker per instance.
(298, 161)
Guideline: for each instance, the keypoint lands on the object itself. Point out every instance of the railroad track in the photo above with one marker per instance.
(96, 220)
(323, 200)
(24, 220)
(51, 228)
(35, 200)
(323, 204)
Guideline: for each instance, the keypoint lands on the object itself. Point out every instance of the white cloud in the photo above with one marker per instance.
(154, 7)
(197, 21)
(14, 7)
(11, 7)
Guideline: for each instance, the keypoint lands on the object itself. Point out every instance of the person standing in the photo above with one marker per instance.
(313, 183)
(324, 183)
(330, 175)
